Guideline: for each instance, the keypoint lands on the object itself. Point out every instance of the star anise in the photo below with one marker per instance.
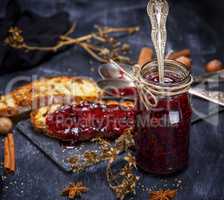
(163, 194)
(74, 190)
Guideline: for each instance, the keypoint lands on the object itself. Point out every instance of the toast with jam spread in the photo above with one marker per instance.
(39, 119)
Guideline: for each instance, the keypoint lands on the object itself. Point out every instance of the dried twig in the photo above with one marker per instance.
(85, 46)
(71, 30)
(114, 49)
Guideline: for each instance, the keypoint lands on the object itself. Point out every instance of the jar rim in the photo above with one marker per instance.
(180, 68)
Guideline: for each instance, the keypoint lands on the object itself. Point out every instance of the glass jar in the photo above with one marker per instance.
(162, 132)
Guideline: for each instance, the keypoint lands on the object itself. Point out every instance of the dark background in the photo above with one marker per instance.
(192, 24)
(197, 25)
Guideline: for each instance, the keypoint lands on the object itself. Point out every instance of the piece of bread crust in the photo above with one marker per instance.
(48, 91)
(38, 117)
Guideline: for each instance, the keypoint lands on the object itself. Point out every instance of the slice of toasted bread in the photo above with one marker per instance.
(48, 91)
(38, 117)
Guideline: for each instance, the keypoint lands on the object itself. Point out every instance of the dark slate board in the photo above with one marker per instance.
(206, 157)
(52, 148)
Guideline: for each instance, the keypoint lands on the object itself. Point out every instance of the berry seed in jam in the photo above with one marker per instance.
(87, 120)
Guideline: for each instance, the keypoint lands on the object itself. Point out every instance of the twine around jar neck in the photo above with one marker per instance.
(150, 91)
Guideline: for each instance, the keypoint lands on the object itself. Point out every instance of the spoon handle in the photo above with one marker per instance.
(158, 11)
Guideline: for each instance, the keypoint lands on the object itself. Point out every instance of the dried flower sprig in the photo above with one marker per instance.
(100, 45)
(122, 182)
(163, 194)
(74, 190)
(107, 151)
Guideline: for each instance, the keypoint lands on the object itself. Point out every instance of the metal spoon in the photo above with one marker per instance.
(114, 83)
(109, 72)
(158, 11)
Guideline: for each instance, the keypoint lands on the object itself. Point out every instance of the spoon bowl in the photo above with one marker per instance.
(109, 71)
(116, 88)
(114, 84)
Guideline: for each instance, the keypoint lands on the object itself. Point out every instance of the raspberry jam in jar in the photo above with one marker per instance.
(162, 132)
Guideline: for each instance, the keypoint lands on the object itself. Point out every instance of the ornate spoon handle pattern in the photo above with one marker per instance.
(158, 11)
